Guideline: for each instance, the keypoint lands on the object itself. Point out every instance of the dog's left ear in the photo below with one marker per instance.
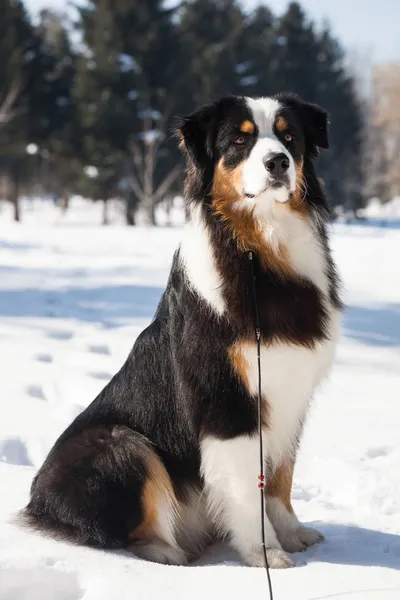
(313, 117)
(195, 133)
(315, 124)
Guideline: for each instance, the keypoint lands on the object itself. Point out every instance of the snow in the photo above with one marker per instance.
(73, 297)
(376, 210)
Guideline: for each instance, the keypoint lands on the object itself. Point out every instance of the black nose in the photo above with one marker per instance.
(277, 165)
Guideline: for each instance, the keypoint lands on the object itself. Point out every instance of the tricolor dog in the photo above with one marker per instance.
(165, 459)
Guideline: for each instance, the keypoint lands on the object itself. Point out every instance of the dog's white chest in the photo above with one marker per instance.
(289, 375)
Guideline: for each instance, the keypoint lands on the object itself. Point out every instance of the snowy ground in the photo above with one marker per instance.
(73, 296)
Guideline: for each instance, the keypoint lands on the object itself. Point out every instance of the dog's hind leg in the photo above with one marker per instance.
(107, 487)
(159, 552)
(155, 537)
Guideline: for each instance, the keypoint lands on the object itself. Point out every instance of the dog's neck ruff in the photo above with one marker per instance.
(288, 238)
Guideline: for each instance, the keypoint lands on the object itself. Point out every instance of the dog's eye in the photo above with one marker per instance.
(239, 140)
(289, 137)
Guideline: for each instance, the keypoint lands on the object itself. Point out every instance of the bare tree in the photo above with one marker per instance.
(7, 107)
(7, 113)
(384, 133)
(146, 152)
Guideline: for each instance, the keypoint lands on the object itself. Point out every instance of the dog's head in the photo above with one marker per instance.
(247, 153)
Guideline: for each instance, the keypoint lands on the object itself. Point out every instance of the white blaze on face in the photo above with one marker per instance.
(256, 179)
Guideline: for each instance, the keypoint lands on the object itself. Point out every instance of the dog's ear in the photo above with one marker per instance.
(196, 134)
(315, 124)
(313, 118)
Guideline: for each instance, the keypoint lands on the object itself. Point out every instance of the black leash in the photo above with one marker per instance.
(261, 477)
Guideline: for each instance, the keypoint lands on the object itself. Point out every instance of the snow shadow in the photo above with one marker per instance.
(375, 326)
(92, 304)
(39, 583)
(17, 246)
(381, 223)
(343, 545)
(14, 452)
(351, 545)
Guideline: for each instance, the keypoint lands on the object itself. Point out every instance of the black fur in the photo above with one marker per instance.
(177, 384)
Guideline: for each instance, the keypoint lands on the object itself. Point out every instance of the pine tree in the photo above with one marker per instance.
(212, 34)
(295, 67)
(57, 126)
(101, 106)
(18, 58)
(151, 47)
(341, 167)
(127, 89)
(257, 53)
(312, 65)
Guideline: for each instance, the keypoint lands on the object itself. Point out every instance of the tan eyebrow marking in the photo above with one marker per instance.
(247, 127)
(281, 124)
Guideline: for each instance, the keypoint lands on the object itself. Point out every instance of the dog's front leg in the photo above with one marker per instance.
(293, 536)
(230, 471)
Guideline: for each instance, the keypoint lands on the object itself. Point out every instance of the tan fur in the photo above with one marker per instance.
(181, 140)
(239, 363)
(280, 484)
(146, 529)
(240, 366)
(249, 233)
(157, 488)
(247, 127)
(297, 201)
(281, 124)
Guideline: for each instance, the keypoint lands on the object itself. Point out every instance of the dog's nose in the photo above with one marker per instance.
(277, 165)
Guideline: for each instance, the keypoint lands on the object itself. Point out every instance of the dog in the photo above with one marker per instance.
(165, 460)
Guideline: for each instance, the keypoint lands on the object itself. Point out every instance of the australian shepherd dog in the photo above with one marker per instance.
(165, 460)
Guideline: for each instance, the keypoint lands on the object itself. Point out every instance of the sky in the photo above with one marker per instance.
(368, 29)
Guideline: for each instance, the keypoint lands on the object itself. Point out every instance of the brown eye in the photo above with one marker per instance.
(288, 137)
(240, 140)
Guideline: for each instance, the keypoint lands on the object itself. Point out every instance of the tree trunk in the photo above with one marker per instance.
(15, 199)
(150, 213)
(168, 204)
(105, 211)
(130, 209)
(130, 215)
(64, 202)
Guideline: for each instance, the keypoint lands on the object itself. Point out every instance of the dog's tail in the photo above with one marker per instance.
(49, 526)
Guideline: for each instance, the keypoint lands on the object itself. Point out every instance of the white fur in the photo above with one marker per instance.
(255, 176)
(293, 536)
(167, 517)
(291, 373)
(159, 552)
(230, 471)
(182, 530)
(194, 527)
(305, 251)
(230, 467)
(198, 259)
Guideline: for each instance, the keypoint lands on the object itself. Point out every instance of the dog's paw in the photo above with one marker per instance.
(159, 552)
(277, 559)
(300, 539)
